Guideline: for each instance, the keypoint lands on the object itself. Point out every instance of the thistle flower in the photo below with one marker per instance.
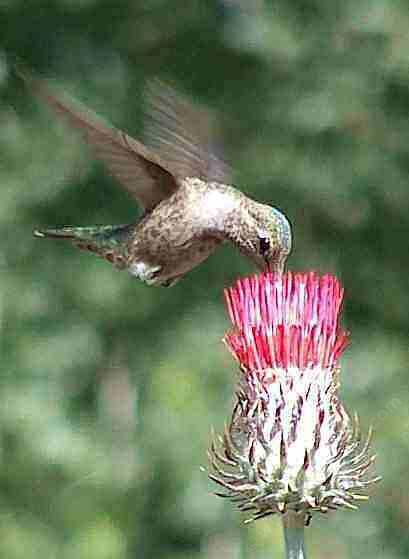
(290, 447)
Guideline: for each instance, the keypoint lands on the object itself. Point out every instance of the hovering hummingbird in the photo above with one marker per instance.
(189, 206)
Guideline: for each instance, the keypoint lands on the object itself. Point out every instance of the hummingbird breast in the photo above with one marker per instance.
(179, 233)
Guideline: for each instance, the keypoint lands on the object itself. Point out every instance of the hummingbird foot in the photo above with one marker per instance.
(170, 282)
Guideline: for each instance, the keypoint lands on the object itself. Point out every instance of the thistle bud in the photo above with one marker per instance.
(290, 446)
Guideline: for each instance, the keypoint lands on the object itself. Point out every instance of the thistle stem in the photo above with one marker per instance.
(293, 525)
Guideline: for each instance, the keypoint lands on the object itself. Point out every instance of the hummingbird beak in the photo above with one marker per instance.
(276, 265)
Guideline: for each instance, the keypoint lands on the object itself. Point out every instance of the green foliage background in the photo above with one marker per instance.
(108, 388)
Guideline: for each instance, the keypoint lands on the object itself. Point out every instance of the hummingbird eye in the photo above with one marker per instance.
(264, 243)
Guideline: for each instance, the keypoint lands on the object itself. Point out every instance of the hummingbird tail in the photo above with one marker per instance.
(57, 233)
(108, 241)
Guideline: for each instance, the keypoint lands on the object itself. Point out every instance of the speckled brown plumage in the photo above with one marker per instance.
(183, 187)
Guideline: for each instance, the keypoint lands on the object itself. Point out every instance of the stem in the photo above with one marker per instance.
(293, 525)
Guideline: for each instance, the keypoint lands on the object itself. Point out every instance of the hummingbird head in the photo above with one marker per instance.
(271, 239)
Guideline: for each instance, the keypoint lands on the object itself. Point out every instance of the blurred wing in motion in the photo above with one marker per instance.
(179, 134)
(183, 135)
(139, 170)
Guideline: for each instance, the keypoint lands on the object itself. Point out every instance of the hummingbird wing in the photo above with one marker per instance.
(183, 135)
(146, 177)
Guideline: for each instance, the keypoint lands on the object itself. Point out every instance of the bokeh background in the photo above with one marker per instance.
(109, 388)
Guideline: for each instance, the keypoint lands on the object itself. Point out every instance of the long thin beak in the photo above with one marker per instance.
(277, 266)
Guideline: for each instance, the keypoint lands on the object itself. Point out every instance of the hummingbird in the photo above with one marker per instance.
(183, 185)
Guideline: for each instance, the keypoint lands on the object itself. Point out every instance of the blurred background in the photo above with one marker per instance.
(109, 388)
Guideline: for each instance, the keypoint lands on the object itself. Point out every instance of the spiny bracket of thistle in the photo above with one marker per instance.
(290, 444)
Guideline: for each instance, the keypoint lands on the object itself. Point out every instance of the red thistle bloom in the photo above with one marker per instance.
(290, 445)
(286, 321)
